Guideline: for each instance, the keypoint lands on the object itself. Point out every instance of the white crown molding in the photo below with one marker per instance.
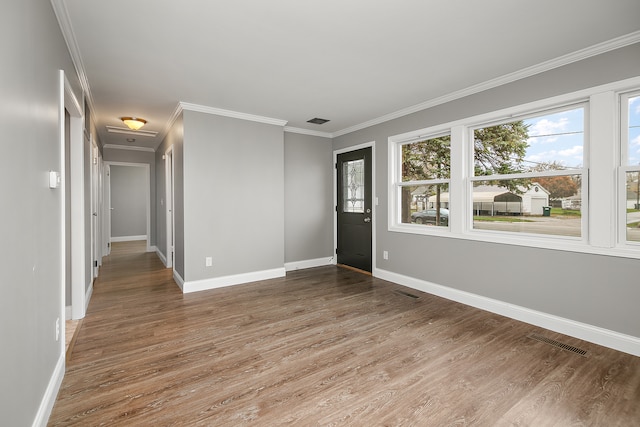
(60, 10)
(233, 114)
(172, 119)
(576, 56)
(127, 131)
(128, 147)
(308, 132)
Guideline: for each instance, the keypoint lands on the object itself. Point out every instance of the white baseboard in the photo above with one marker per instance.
(128, 238)
(50, 394)
(309, 263)
(87, 297)
(68, 312)
(605, 337)
(161, 256)
(179, 280)
(152, 248)
(236, 279)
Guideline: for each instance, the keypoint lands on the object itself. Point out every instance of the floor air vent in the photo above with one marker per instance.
(559, 344)
(406, 294)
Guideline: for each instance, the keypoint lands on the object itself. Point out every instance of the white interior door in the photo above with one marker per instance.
(106, 216)
(168, 159)
(95, 213)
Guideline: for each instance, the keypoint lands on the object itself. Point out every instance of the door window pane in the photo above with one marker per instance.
(353, 186)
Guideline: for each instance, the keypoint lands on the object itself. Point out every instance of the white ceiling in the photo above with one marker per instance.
(350, 61)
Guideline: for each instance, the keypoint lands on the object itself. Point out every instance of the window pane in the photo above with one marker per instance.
(551, 141)
(427, 159)
(634, 131)
(353, 186)
(420, 203)
(633, 206)
(525, 206)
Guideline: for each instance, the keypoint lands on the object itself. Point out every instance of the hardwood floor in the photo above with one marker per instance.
(70, 329)
(324, 346)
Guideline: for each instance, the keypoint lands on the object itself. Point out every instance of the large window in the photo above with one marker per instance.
(424, 181)
(559, 173)
(528, 174)
(630, 159)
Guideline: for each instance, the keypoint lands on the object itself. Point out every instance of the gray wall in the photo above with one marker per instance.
(143, 157)
(233, 196)
(33, 52)
(597, 290)
(308, 189)
(129, 186)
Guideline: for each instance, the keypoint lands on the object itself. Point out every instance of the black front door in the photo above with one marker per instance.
(354, 217)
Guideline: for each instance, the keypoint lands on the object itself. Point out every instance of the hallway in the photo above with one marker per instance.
(323, 346)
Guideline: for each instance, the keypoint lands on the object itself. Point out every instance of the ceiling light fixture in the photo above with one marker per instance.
(133, 123)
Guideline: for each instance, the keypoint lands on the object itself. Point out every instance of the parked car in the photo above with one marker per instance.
(428, 216)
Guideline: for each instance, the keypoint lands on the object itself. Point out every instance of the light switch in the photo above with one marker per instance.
(54, 179)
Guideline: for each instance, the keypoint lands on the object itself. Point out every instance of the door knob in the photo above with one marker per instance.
(367, 219)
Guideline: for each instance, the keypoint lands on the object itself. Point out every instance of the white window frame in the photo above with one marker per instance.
(624, 169)
(583, 172)
(601, 174)
(396, 183)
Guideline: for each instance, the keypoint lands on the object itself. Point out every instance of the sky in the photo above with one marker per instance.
(559, 137)
(556, 137)
(634, 132)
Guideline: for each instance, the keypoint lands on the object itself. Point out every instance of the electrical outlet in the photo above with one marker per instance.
(385, 255)
(58, 329)
(208, 261)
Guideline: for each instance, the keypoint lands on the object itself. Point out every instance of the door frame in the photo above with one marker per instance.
(374, 201)
(147, 187)
(169, 206)
(75, 187)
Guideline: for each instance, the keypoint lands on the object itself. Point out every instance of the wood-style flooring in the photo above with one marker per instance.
(323, 347)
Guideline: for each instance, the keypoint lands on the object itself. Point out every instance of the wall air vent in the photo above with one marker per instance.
(317, 121)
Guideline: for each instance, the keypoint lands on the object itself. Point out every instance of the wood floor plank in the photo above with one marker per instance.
(324, 346)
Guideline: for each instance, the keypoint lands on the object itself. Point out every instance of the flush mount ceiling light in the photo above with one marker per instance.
(317, 121)
(133, 123)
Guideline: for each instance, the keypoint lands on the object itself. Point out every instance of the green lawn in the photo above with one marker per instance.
(565, 212)
(632, 210)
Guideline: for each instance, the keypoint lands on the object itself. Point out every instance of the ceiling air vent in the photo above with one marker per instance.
(317, 121)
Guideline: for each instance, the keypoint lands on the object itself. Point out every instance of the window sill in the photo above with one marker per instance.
(566, 244)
